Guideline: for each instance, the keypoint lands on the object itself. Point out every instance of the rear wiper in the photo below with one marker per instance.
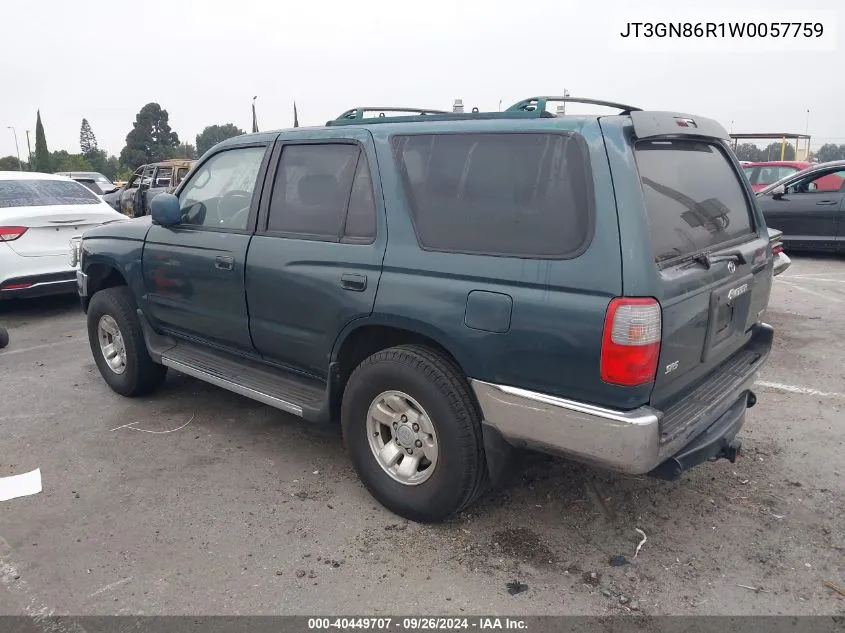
(708, 260)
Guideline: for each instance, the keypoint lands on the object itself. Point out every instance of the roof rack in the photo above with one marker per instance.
(534, 104)
(357, 114)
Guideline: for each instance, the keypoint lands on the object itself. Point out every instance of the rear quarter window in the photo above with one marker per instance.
(527, 195)
(694, 199)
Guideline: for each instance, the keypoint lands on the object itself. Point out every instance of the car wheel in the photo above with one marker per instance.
(413, 433)
(118, 345)
(4, 337)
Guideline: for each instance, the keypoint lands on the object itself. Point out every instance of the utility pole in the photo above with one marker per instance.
(29, 151)
(17, 151)
(807, 134)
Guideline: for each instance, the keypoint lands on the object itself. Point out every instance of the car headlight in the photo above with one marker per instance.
(75, 248)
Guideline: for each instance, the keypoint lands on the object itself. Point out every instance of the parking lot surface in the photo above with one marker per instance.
(199, 501)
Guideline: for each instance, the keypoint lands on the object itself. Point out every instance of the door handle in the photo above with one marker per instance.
(827, 203)
(223, 262)
(350, 281)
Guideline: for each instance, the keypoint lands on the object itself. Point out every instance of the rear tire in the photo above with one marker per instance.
(387, 397)
(4, 337)
(117, 343)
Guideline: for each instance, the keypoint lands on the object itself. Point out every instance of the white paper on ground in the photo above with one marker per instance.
(20, 485)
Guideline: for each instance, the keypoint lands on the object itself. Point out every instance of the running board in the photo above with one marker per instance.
(288, 392)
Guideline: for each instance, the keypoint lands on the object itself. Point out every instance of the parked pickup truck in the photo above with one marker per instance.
(133, 198)
(589, 286)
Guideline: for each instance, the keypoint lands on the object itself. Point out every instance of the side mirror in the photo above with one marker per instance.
(778, 192)
(165, 211)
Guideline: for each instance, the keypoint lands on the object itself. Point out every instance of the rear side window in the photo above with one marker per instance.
(37, 193)
(312, 189)
(693, 197)
(518, 195)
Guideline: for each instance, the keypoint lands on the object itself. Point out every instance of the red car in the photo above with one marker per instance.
(765, 173)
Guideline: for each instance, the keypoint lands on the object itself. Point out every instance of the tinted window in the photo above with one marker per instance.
(361, 215)
(693, 198)
(518, 195)
(219, 193)
(312, 189)
(36, 193)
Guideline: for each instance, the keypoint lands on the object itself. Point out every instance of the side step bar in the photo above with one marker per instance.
(285, 391)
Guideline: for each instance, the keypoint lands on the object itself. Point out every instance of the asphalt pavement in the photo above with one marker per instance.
(198, 501)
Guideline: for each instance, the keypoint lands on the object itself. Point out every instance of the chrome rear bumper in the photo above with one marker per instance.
(636, 441)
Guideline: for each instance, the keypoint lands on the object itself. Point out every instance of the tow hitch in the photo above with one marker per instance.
(731, 451)
(718, 441)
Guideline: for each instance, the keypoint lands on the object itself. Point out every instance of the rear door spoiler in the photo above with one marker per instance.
(655, 124)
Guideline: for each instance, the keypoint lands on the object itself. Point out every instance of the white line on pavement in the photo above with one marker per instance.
(807, 391)
(110, 586)
(808, 291)
(37, 347)
(802, 278)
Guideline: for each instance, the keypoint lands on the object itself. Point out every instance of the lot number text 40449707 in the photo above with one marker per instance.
(417, 623)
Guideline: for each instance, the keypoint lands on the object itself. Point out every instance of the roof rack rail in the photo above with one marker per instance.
(539, 104)
(357, 114)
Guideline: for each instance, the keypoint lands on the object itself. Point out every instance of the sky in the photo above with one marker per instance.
(203, 61)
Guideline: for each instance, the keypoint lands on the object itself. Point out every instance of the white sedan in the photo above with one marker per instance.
(39, 214)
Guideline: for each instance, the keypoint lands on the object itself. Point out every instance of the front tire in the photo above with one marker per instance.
(413, 433)
(117, 343)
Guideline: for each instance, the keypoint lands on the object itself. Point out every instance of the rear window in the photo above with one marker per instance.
(517, 195)
(37, 193)
(693, 197)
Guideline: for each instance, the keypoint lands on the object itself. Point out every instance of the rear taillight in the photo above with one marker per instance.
(777, 249)
(11, 233)
(631, 343)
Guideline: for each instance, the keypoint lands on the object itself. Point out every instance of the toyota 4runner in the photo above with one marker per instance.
(453, 286)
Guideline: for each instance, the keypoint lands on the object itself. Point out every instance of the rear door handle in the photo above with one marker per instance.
(224, 262)
(350, 281)
(827, 203)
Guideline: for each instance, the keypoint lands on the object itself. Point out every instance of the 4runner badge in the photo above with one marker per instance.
(737, 292)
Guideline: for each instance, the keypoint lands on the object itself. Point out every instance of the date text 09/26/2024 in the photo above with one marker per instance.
(723, 29)
(416, 623)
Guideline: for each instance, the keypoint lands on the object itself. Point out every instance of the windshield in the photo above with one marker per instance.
(767, 174)
(39, 193)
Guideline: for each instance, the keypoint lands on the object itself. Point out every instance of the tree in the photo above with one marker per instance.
(213, 134)
(87, 140)
(830, 151)
(772, 151)
(10, 163)
(150, 139)
(42, 154)
(111, 168)
(61, 160)
(749, 151)
(185, 150)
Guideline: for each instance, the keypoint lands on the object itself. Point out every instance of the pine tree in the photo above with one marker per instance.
(42, 154)
(87, 140)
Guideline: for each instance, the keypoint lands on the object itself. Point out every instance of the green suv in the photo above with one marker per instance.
(451, 287)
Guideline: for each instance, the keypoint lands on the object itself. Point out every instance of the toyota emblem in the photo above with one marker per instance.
(731, 268)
